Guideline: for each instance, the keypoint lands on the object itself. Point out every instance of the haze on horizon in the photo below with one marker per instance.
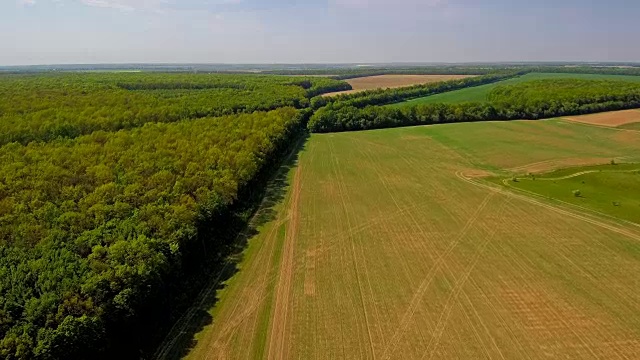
(316, 31)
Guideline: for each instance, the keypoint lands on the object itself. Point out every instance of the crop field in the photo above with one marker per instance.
(480, 93)
(393, 81)
(388, 244)
(613, 119)
(631, 126)
(612, 189)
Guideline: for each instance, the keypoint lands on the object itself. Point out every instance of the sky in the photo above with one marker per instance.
(316, 31)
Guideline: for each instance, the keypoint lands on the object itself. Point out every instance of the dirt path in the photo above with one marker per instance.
(279, 343)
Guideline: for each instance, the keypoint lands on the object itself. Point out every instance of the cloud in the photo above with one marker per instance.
(157, 5)
(26, 2)
(381, 4)
(125, 5)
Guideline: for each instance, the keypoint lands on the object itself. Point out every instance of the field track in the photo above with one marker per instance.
(385, 248)
(393, 81)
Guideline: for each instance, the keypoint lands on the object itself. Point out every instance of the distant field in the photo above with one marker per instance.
(393, 81)
(387, 247)
(612, 119)
(480, 93)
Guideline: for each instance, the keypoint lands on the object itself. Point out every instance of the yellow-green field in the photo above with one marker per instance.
(389, 245)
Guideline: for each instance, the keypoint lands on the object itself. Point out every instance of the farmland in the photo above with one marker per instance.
(481, 93)
(632, 126)
(393, 81)
(612, 189)
(388, 244)
(613, 119)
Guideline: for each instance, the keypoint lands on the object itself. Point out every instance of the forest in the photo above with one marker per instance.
(95, 230)
(44, 107)
(527, 100)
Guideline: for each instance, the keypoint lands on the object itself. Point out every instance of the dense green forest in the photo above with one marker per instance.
(527, 100)
(45, 107)
(95, 231)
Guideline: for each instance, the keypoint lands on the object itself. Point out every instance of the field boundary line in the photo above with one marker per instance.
(278, 327)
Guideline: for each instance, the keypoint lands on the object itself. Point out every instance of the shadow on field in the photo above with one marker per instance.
(181, 339)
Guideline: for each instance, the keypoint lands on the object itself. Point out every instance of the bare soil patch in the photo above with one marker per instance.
(611, 119)
(393, 81)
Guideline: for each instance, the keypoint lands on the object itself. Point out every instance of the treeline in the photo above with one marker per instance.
(388, 96)
(529, 100)
(98, 233)
(321, 85)
(547, 98)
(44, 107)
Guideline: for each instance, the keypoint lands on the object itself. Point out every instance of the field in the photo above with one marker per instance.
(632, 126)
(612, 189)
(393, 81)
(388, 244)
(613, 119)
(480, 93)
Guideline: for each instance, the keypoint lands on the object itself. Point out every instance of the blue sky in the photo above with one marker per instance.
(316, 31)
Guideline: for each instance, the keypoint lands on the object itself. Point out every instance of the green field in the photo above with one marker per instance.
(480, 93)
(632, 126)
(609, 189)
(388, 245)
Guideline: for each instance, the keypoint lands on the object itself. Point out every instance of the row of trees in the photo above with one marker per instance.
(98, 232)
(529, 100)
(44, 107)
